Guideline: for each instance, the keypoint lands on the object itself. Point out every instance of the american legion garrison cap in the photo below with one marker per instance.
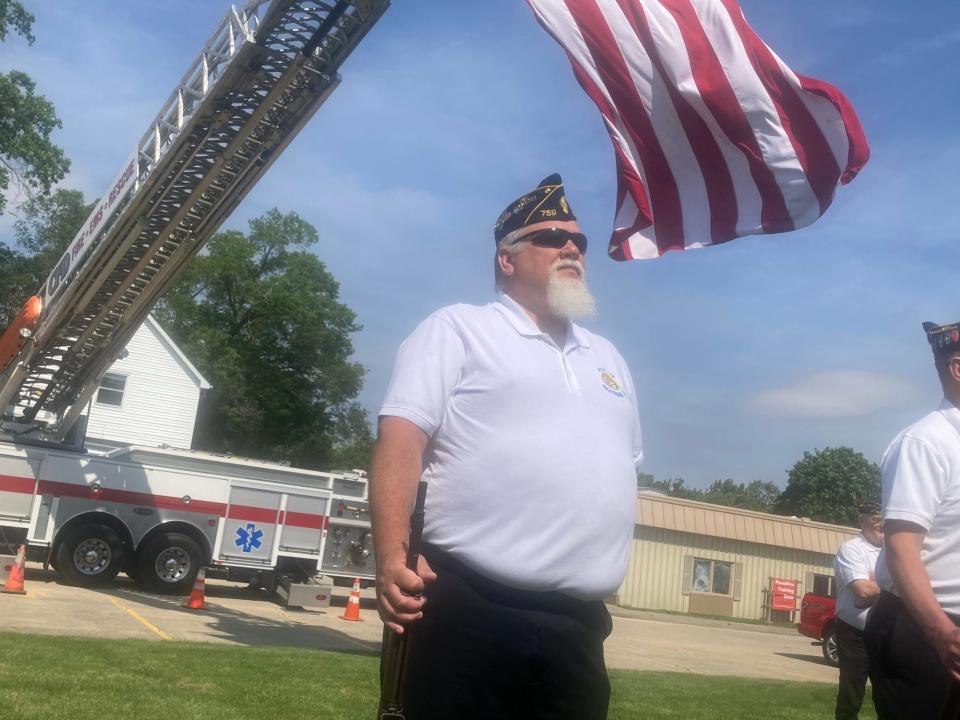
(546, 202)
(943, 338)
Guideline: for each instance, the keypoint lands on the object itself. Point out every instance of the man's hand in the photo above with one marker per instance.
(947, 645)
(395, 470)
(903, 541)
(867, 592)
(399, 590)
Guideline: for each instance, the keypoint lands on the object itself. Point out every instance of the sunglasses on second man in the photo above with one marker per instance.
(556, 238)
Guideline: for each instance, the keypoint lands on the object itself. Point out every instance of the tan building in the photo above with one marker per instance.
(700, 558)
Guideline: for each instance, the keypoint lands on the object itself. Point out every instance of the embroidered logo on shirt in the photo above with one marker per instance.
(610, 383)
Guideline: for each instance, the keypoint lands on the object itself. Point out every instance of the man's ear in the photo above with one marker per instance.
(953, 368)
(505, 263)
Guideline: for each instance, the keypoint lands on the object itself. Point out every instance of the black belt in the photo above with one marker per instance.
(853, 628)
(543, 601)
(894, 601)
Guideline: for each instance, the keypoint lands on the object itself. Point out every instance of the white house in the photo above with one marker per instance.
(149, 397)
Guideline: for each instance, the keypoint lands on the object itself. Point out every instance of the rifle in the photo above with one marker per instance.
(394, 651)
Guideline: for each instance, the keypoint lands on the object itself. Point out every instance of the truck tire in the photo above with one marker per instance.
(829, 646)
(89, 555)
(169, 563)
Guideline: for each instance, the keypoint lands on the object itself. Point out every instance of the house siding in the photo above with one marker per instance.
(654, 579)
(159, 400)
(671, 532)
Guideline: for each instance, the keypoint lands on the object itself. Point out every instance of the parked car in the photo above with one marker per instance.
(817, 621)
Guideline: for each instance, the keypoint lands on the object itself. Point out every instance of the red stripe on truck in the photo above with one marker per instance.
(26, 485)
(254, 514)
(306, 520)
(9, 483)
(270, 517)
(129, 497)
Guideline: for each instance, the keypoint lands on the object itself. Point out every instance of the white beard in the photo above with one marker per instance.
(569, 298)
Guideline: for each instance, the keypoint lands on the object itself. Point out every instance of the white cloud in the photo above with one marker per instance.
(916, 47)
(836, 394)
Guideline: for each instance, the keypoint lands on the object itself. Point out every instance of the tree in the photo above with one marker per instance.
(13, 13)
(645, 480)
(18, 278)
(674, 487)
(48, 223)
(353, 441)
(828, 485)
(27, 155)
(260, 317)
(45, 228)
(757, 495)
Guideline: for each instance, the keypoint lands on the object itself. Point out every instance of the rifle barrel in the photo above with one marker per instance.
(394, 649)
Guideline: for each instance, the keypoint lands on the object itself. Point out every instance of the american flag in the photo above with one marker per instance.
(715, 137)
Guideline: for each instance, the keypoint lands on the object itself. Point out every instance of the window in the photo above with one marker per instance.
(712, 576)
(111, 389)
(824, 585)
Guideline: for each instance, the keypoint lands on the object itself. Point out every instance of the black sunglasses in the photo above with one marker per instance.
(556, 238)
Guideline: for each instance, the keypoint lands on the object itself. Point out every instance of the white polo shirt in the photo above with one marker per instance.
(921, 484)
(856, 560)
(533, 448)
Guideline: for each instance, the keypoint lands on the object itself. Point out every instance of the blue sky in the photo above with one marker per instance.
(744, 355)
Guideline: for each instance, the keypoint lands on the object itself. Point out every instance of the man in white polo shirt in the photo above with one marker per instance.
(525, 426)
(912, 634)
(857, 589)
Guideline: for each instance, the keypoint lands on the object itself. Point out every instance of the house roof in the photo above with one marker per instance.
(177, 353)
(661, 511)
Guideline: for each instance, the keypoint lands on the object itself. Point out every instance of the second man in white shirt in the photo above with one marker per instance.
(857, 590)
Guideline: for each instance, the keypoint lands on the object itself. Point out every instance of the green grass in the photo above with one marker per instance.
(56, 678)
(678, 695)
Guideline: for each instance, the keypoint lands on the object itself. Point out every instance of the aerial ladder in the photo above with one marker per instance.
(260, 77)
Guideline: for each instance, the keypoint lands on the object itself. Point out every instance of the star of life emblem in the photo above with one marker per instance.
(248, 538)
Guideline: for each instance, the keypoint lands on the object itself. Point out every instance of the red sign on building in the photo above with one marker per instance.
(783, 594)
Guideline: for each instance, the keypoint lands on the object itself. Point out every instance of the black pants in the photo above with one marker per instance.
(909, 681)
(854, 669)
(486, 651)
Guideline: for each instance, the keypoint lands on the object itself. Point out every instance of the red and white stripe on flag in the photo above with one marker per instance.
(715, 137)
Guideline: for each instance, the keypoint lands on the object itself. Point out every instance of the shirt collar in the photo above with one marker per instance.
(950, 413)
(523, 324)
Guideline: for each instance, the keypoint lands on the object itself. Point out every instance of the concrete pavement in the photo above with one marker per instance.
(720, 649)
(640, 640)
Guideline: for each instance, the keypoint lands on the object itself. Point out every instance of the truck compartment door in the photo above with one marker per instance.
(250, 527)
(348, 550)
(18, 487)
(303, 523)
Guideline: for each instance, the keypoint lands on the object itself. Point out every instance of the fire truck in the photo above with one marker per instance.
(161, 514)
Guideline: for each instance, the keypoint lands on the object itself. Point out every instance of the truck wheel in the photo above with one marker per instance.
(89, 555)
(829, 647)
(169, 563)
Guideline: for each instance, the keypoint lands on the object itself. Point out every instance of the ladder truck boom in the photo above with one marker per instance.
(259, 78)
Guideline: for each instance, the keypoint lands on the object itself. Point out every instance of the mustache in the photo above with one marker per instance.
(563, 264)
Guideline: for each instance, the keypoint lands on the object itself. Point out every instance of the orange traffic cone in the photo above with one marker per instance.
(195, 601)
(353, 604)
(15, 576)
